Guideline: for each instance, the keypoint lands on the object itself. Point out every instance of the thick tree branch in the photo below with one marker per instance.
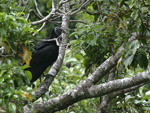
(45, 18)
(104, 68)
(84, 91)
(120, 84)
(110, 96)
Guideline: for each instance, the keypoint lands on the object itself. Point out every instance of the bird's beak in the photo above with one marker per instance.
(63, 31)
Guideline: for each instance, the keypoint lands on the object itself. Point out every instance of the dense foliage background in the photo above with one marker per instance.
(103, 26)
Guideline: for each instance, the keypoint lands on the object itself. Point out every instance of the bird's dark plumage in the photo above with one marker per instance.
(44, 54)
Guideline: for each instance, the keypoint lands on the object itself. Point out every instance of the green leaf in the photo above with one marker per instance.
(3, 32)
(146, 108)
(128, 61)
(143, 61)
(28, 74)
(11, 43)
(49, 4)
(9, 62)
(19, 82)
(71, 60)
(2, 72)
(11, 108)
(148, 76)
(136, 15)
(1, 79)
(24, 67)
(74, 33)
(136, 46)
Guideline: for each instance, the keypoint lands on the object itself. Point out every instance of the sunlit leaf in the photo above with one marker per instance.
(11, 108)
(119, 62)
(28, 74)
(49, 4)
(128, 61)
(146, 108)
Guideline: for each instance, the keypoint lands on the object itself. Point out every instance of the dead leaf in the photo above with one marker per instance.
(26, 95)
(25, 55)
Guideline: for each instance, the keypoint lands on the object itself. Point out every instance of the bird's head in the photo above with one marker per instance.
(59, 30)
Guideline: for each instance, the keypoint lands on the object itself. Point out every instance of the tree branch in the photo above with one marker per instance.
(36, 6)
(110, 96)
(81, 6)
(47, 17)
(44, 24)
(88, 90)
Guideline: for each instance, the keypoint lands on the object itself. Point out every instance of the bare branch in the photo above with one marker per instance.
(81, 6)
(32, 11)
(44, 24)
(62, 2)
(36, 6)
(25, 4)
(49, 16)
(119, 84)
(56, 17)
(53, 5)
(109, 97)
(44, 19)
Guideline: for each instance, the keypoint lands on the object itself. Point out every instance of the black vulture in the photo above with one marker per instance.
(44, 54)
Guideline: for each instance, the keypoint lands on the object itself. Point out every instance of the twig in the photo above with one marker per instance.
(44, 24)
(36, 6)
(92, 13)
(47, 17)
(25, 4)
(7, 55)
(81, 6)
(62, 2)
(56, 17)
(78, 21)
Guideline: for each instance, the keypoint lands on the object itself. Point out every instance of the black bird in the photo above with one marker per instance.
(44, 54)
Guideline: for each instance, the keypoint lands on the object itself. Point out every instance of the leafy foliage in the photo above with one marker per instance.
(14, 29)
(11, 85)
(104, 32)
